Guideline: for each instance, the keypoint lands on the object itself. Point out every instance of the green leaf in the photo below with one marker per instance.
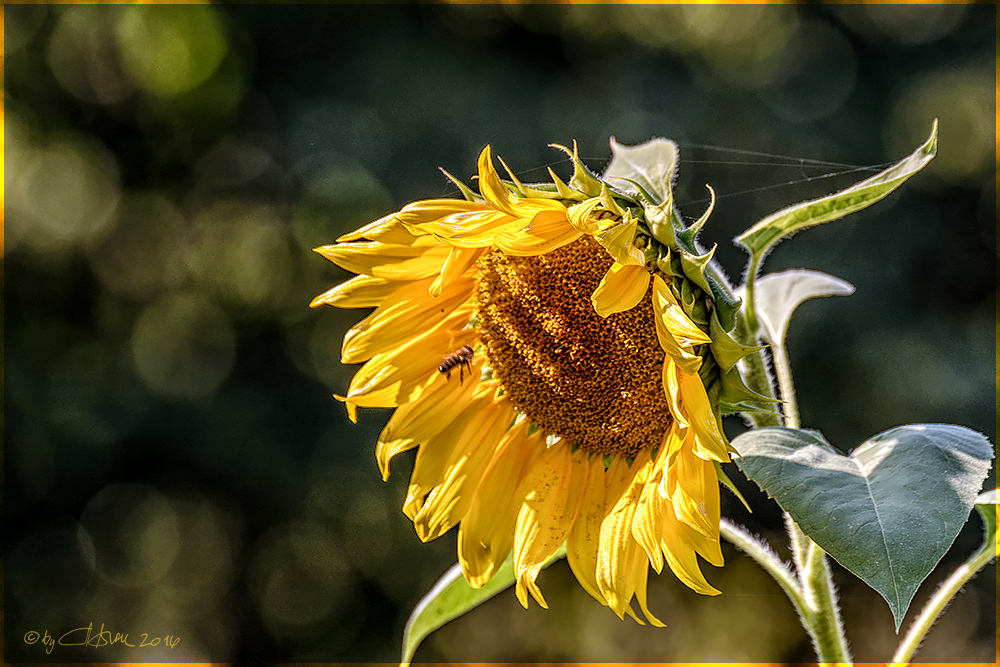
(651, 166)
(777, 295)
(451, 597)
(889, 511)
(759, 238)
(986, 505)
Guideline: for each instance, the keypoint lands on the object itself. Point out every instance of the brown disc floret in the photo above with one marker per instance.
(597, 382)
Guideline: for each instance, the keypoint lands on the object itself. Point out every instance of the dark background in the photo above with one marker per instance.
(174, 461)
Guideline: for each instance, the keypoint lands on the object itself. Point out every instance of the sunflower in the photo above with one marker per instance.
(594, 360)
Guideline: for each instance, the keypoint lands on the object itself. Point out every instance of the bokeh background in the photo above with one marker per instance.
(174, 461)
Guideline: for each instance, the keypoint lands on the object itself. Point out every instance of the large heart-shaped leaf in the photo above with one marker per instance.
(889, 511)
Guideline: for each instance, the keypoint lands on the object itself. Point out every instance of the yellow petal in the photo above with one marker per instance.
(420, 420)
(710, 442)
(667, 320)
(391, 379)
(386, 260)
(617, 574)
(579, 215)
(448, 502)
(641, 575)
(672, 390)
(585, 535)
(669, 310)
(553, 493)
(406, 315)
(618, 242)
(548, 231)
(499, 197)
(696, 485)
(647, 523)
(358, 292)
(433, 456)
(428, 211)
(681, 556)
(352, 409)
(621, 288)
(459, 261)
(474, 229)
(486, 534)
(386, 225)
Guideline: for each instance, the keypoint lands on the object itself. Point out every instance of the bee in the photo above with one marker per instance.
(462, 358)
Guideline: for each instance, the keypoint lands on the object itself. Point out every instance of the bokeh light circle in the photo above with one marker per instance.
(814, 76)
(170, 49)
(83, 57)
(148, 226)
(134, 533)
(69, 191)
(183, 346)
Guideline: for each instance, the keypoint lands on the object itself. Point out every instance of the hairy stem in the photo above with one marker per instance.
(783, 370)
(764, 556)
(942, 596)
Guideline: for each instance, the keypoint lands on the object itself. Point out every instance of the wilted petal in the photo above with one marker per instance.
(554, 491)
(618, 242)
(622, 288)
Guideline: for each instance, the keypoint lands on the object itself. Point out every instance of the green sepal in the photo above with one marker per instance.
(565, 192)
(694, 268)
(538, 190)
(743, 408)
(714, 391)
(583, 179)
(663, 260)
(726, 304)
(689, 236)
(661, 222)
(694, 307)
(609, 203)
(651, 253)
(706, 370)
(736, 396)
(463, 188)
(726, 350)
(728, 483)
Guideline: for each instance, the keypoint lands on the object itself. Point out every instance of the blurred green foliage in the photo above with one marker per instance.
(175, 463)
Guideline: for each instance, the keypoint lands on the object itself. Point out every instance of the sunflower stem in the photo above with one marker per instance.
(753, 267)
(812, 594)
(822, 617)
(764, 556)
(783, 371)
(825, 627)
(942, 596)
